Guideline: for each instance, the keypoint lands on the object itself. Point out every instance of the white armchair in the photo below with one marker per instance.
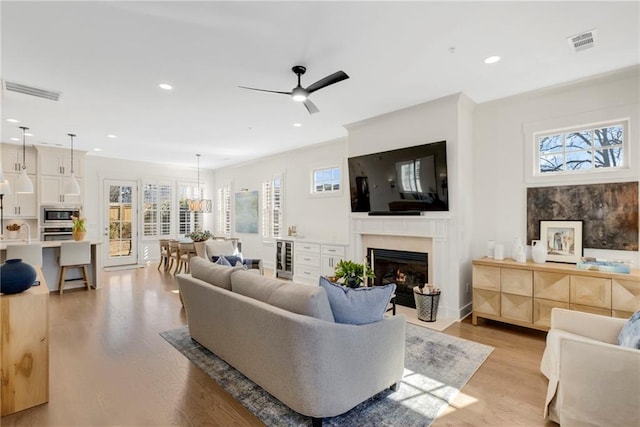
(592, 380)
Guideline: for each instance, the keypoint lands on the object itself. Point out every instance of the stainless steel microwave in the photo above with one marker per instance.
(58, 215)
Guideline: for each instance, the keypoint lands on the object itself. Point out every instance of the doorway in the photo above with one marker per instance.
(121, 222)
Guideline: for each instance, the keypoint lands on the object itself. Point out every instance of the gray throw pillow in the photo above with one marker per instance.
(630, 333)
(358, 306)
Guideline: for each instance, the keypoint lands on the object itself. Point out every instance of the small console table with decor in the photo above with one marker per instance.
(524, 293)
(24, 348)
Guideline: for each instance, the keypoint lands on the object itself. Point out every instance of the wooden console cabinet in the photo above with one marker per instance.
(24, 348)
(524, 293)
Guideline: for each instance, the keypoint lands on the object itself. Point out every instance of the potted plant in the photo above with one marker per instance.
(199, 238)
(79, 228)
(353, 273)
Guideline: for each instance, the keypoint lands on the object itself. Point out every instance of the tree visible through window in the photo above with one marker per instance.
(583, 149)
(326, 180)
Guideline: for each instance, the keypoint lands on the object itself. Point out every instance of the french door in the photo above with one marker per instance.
(121, 222)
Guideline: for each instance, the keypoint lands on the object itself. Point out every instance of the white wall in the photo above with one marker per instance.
(502, 137)
(323, 219)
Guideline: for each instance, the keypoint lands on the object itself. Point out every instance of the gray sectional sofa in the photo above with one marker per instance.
(283, 337)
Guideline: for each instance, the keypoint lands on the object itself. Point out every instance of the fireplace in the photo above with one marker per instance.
(404, 268)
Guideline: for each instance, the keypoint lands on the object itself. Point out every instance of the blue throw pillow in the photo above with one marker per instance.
(358, 306)
(630, 333)
(231, 259)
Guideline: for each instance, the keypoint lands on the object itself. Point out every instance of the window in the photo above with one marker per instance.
(326, 180)
(583, 149)
(156, 210)
(188, 221)
(272, 217)
(409, 173)
(223, 210)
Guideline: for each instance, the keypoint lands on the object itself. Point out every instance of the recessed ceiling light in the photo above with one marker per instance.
(165, 86)
(14, 139)
(13, 120)
(297, 125)
(97, 149)
(28, 134)
(112, 136)
(492, 60)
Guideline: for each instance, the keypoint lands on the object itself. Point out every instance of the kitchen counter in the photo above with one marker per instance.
(51, 268)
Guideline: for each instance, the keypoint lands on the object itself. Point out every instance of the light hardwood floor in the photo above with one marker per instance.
(109, 366)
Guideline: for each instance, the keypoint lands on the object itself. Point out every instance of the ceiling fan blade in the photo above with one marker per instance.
(265, 90)
(336, 77)
(311, 107)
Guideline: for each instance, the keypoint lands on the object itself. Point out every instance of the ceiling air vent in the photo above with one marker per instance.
(30, 90)
(583, 41)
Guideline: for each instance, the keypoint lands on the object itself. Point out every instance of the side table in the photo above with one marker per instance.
(24, 348)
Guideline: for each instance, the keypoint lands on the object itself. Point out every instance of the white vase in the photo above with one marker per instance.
(538, 251)
(515, 249)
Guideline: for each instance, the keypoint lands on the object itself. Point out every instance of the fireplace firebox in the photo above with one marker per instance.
(404, 268)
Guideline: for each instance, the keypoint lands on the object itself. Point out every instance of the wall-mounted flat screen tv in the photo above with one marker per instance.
(403, 181)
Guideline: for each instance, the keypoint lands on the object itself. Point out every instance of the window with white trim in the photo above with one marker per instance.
(272, 216)
(326, 180)
(188, 221)
(582, 149)
(223, 210)
(157, 204)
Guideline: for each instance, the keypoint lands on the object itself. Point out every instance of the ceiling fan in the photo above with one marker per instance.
(301, 94)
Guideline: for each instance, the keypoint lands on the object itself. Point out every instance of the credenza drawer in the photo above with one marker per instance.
(542, 311)
(591, 291)
(516, 307)
(551, 286)
(333, 250)
(487, 302)
(485, 277)
(517, 282)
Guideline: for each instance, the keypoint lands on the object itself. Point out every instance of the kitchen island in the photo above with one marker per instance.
(51, 268)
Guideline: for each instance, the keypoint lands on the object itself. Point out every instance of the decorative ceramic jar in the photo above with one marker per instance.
(515, 249)
(16, 276)
(538, 251)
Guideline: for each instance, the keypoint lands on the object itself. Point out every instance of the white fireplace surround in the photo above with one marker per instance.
(417, 234)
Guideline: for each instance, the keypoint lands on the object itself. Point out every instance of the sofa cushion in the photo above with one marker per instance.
(358, 306)
(630, 332)
(217, 275)
(295, 297)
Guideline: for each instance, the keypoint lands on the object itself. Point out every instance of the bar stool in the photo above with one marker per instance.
(30, 253)
(164, 254)
(74, 255)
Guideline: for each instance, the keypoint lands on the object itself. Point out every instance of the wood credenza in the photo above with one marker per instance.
(24, 348)
(524, 293)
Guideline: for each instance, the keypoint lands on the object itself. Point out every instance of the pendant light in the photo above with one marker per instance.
(199, 205)
(23, 183)
(71, 187)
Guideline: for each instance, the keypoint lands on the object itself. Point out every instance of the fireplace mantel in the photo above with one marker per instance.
(435, 232)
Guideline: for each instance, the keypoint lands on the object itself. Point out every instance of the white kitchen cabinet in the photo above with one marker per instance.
(57, 161)
(51, 190)
(12, 158)
(19, 205)
(307, 263)
(331, 255)
(315, 259)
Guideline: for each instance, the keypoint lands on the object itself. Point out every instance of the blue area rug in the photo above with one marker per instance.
(437, 366)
